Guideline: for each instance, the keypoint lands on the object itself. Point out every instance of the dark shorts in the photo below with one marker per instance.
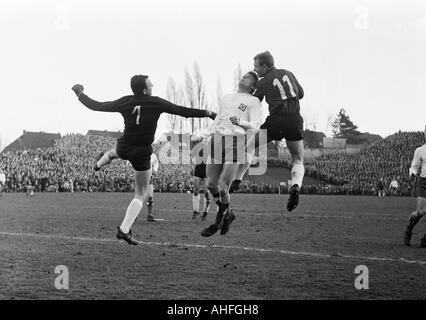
(200, 171)
(421, 187)
(288, 126)
(138, 156)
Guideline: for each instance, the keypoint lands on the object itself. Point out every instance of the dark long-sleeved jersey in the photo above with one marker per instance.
(281, 90)
(141, 114)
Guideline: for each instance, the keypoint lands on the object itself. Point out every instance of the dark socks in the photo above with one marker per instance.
(222, 209)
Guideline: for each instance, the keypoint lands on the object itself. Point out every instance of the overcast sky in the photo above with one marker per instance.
(366, 56)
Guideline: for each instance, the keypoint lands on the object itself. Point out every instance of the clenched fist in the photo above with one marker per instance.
(78, 89)
(212, 115)
(235, 120)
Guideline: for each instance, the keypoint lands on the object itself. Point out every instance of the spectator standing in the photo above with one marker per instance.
(381, 188)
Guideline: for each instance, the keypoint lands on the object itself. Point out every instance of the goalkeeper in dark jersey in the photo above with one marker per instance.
(141, 112)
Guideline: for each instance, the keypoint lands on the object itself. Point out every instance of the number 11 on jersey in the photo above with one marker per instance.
(137, 110)
(280, 86)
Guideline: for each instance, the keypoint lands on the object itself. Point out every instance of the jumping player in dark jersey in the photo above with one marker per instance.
(282, 92)
(141, 112)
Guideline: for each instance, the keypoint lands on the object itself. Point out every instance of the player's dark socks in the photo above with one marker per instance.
(212, 229)
(412, 222)
(227, 220)
(150, 206)
(423, 242)
(293, 201)
(95, 166)
(204, 217)
(126, 237)
(223, 207)
(195, 215)
(235, 186)
(216, 198)
(407, 237)
(409, 230)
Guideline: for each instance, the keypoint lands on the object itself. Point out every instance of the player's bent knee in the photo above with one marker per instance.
(223, 190)
(210, 185)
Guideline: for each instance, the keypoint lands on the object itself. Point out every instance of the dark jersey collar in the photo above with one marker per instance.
(271, 70)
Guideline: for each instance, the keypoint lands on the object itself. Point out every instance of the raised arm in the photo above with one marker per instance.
(109, 106)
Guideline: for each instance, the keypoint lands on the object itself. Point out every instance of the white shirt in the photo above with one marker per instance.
(154, 163)
(394, 184)
(419, 162)
(243, 105)
(2, 178)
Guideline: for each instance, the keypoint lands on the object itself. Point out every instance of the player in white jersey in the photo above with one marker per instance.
(2, 181)
(150, 192)
(418, 166)
(238, 112)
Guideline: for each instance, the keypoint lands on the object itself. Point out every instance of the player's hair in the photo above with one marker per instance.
(256, 79)
(265, 58)
(138, 84)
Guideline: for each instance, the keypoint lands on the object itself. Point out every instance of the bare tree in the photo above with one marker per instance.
(200, 93)
(173, 96)
(329, 124)
(219, 93)
(314, 122)
(189, 90)
(183, 122)
(237, 76)
(195, 90)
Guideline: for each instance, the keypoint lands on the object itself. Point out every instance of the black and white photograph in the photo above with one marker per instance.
(212, 155)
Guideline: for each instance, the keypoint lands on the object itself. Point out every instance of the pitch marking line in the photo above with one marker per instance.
(304, 214)
(190, 245)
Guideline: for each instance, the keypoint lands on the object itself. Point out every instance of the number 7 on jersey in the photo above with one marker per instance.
(137, 110)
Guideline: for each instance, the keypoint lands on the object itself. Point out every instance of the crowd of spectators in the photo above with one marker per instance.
(68, 166)
(388, 159)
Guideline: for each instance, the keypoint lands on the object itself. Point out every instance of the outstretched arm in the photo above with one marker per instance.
(168, 107)
(109, 106)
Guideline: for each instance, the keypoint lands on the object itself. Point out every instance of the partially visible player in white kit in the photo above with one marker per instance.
(238, 112)
(418, 166)
(2, 181)
(150, 192)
